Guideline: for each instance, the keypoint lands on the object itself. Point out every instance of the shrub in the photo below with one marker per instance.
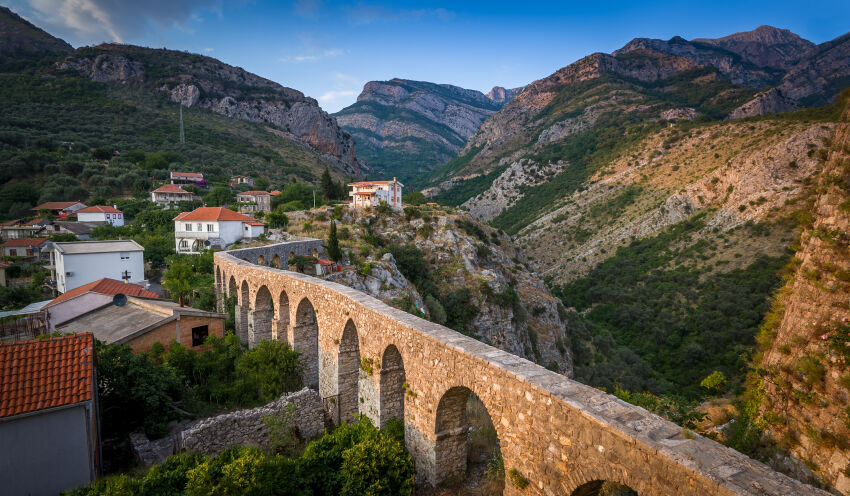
(517, 479)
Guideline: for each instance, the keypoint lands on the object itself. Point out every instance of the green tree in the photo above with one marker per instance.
(326, 183)
(333, 243)
(178, 279)
(414, 198)
(277, 219)
(219, 197)
(261, 184)
(268, 370)
(714, 381)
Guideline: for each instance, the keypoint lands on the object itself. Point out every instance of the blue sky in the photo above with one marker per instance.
(328, 50)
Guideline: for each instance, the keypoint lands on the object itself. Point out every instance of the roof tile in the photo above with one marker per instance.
(105, 286)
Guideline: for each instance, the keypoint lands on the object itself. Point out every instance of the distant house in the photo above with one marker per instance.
(188, 178)
(371, 193)
(237, 180)
(261, 200)
(49, 415)
(15, 229)
(81, 262)
(88, 297)
(169, 194)
(208, 227)
(82, 230)
(60, 209)
(29, 248)
(140, 323)
(101, 213)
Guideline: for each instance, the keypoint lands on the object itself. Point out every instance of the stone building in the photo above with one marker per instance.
(254, 201)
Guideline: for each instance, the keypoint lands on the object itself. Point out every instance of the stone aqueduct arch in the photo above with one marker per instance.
(559, 434)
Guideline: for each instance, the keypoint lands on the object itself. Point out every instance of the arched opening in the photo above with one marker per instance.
(348, 373)
(305, 337)
(231, 287)
(282, 328)
(261, 260)
(276, 262)
(392, 386)
(604, 488)
(467, 450)
(261, 316)
(242, 314)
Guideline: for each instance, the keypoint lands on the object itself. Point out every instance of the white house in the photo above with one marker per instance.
(208, 227)
(371, 193)
(100, 213)
(169, 194)
(188, 178)
(81, 262)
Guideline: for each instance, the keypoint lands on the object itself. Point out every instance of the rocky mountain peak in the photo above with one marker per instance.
(766, 35)
(19, 36)
(501, 95)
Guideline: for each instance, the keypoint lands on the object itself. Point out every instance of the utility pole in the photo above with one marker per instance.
(182, 136)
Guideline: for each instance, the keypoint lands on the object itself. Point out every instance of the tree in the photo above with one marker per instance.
(219, 197)
(333, 243)
(178, 279)
(714, 382)
(414, 198)
(277, 219)
(261, 184)
(327, 185)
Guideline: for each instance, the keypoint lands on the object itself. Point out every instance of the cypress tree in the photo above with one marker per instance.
(333, 244)
(327, 185)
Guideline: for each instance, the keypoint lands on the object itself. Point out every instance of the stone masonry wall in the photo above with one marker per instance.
(246, 427)
(558, 433)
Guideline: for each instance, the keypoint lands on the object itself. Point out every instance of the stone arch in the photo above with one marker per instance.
(276, 262)
(261, 260)
(219, 290)
(261, 316)
(305, 340)
(392, 385)
(348, 373)
(242, 310)
(603, 488)
(454, 435)
(281, 330)
(231, 287)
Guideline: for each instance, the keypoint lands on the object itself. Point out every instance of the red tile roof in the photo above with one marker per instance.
(47, 373)
(255, 193)
(275, 193)
(24, 242)
(214, 213)
(105, 286)
(254, 223)
(54, 205)
(99, 209)
(187, 174)
(170, 188)
(369, 183)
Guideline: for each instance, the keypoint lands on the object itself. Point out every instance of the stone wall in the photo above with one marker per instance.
(246, 427)
(558, 433)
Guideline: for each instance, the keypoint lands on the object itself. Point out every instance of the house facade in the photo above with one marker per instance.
(101, 213)
(237, 180)
(371, 193)
(15, 229)
(28, 248)
(208, 227)
(170, 194)
(188, 179)
(49, 420)
(256, 201)
(81, 262)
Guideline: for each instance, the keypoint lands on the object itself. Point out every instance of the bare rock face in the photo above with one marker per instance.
(185, 94)
(684, 113)
(106, 67)
(821, 73)
(510, 187)
(501, 96)
(767, 102)
(765, 46)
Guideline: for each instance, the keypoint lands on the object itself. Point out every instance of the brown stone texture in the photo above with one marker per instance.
(558, 433)
(179, 330)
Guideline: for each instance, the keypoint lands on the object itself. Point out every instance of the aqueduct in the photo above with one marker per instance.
(368, 358)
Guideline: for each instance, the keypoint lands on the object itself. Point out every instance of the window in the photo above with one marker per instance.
(200, 227)
(184, 243)
(188, 227)
(125, 255)
(13, 252)
(210, 228)
(199, 334)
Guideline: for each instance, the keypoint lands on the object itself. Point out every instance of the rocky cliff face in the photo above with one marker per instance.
(19, 37)
(501, 96)
(803, 380)
(406, 128)
(194, 80)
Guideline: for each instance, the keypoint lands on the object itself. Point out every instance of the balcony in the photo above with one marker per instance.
(195, 235)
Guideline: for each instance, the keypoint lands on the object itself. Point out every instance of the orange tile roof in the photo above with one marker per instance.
(254, 223)
(54, 205)
(275, 193)
(369, 183)
(24, 242)
(187, 174)
(170, 188)
(46, 373)
(214, 213)
(255, 193)
(99, 209)
(105, 286)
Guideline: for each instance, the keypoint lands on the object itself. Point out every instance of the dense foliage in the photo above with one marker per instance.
(651, 319)
(353, 460)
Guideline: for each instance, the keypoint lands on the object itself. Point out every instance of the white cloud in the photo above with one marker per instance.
(95, 20)
(209, 50)
(336, 52)
(331, 96)
(367, 14)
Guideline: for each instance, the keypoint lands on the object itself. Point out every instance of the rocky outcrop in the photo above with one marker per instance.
(771, 101)
(194, 80)
(820, 74)
(686, 113)
(406, 128)
(19, 37)
(765, 46)
(380, 279)
(510, 187)
(501, 96)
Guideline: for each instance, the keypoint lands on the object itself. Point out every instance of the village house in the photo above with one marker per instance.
(82, 230)
(140, 323)
(101, 213)
(88, 297)
(170, 194)
(81, 262)
(237, 180)
(49, 399)
(188, 179)
(15, 229)
(208, 227)
(371, 193)
(28, 248)
(255, 201)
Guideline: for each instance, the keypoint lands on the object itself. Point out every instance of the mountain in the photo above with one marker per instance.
(19, 37)
(406, 128)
